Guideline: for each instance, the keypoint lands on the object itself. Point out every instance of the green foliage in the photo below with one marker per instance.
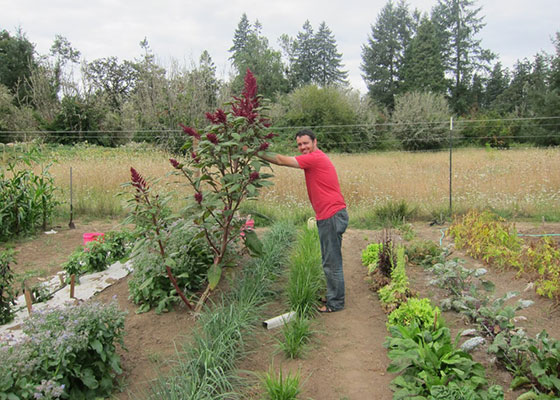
(421, 120)
(27, 199)
(190, 256)
(397, 291)
(99, 254)
(428, 359)
(425, 253)
(329, 110)
(370, 256)
(490, 238)
(384, 53)
(533, 362)
(305, 280)
(296, 334)
(394, 213)
(415, 311)
(16, 62)
(68, 353)
(8, 294)
(278, 387)
(454, 391)
(205, 366)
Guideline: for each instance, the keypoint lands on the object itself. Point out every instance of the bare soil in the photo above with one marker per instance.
(346, 359)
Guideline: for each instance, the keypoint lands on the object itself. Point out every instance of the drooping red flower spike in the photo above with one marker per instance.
(270, 135)
(198, 197)
(190, 131)
(176, 164)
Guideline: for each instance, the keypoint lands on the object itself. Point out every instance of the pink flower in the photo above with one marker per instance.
(212, 138)
(198, 197)
(248, 226)
(254, 176)
(190, 131)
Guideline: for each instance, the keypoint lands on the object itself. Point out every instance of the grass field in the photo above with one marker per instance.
(516, 183)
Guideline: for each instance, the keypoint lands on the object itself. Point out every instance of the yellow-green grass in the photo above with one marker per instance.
(516, 183)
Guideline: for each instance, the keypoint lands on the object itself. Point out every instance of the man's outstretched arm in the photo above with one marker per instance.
(280, 159)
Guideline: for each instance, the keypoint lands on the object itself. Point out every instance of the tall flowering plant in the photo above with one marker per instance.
(222, 167)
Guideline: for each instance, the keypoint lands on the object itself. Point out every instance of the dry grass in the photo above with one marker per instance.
(524, 182)
(519, 182)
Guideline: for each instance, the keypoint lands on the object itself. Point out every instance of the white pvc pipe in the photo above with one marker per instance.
(279, 320)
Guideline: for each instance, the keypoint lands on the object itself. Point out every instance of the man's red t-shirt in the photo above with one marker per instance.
(322, 184)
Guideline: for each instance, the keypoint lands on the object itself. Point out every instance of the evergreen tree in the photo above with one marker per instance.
(383, 55)
(329, 60)
(16, 62)
(423, 69)
(251, 50)
(458, 25)
(304, 56)
(498, 82)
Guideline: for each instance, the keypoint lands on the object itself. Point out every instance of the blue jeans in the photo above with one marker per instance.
(330, 237)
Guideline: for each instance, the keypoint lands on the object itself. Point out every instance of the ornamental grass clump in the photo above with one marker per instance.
(66, 353)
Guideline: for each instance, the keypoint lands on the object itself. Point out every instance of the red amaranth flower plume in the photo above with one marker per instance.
(270, 135)
(248, 100)
(250, 90)
(195, 157)
(219, 117)
(190, 131)
(254, 176)
(266, 122)
(212, 138)
(198, 197)
(263, 146)
(176, 164)
(137, 181)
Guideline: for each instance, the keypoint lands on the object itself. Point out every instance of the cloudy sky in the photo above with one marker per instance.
(181, 29)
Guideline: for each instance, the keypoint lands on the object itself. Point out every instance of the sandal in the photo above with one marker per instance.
(325, 309)
(322, 300)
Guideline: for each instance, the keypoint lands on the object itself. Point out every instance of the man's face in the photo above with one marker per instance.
(305, 144)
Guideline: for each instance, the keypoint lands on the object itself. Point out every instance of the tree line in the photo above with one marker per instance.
(420, 69)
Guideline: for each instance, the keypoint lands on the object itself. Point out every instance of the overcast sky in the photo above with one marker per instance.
(181, 29)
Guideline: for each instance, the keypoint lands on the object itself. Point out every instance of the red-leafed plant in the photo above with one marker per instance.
(223, 170)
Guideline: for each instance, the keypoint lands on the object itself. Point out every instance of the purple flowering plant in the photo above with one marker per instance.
(70, 352)
(223, 170)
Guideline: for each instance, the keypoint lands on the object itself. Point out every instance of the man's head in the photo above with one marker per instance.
(306, 141)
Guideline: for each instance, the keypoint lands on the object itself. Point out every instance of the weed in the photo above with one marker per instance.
(296, 336)
(278, 387)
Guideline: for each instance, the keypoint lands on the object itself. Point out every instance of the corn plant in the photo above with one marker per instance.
(8, 294)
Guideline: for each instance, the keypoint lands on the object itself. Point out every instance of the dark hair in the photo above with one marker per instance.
(306, 132)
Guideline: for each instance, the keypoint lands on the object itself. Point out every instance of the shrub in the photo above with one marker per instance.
(420, 120)
(190, 256)
(394, 213)
(67, 353)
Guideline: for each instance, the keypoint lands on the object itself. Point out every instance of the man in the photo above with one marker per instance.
(328, 203)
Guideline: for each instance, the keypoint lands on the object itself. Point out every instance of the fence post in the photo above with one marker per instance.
(450, 167)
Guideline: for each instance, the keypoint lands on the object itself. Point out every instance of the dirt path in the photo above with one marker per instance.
(346, 359)
(351, 362)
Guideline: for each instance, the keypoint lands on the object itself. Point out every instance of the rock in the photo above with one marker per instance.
(526, 303)
(480, 271)
(472, 344)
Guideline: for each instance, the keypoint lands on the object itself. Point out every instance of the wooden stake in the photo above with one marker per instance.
(28, 300)
(72, 282)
